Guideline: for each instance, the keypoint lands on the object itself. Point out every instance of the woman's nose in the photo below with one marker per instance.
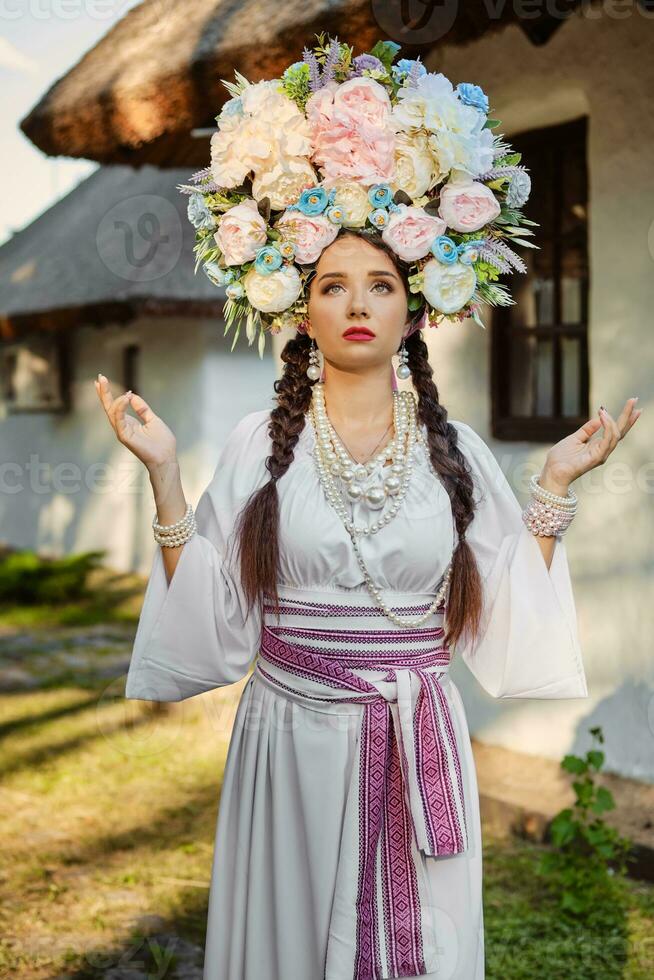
(358, 306)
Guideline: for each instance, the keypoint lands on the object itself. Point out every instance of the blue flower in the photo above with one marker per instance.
(380, 195)
(198, 213)
(234, 290)
(335, 214)
(472, 95)
(287, 249)
(233, 107)
(444, 249)
(379, 218)
(312, 201)
(268, 259)
(402, 68)
(215, 273)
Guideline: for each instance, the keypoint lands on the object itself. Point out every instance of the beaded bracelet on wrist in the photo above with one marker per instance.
(548, 514)
(173, 535)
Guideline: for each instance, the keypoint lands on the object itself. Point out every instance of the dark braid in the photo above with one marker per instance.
(257, 524)
(465, 591)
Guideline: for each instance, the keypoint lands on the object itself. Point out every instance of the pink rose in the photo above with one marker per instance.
(309, 234)
(467, 204)
(410, 232)
(241, 233)
(351, 131)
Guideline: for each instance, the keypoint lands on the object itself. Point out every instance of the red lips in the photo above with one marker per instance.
(359, 332)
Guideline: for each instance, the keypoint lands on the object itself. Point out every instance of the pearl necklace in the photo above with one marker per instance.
(327, 462)
(333, 461)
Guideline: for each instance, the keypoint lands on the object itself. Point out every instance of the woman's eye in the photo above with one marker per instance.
(380, 282)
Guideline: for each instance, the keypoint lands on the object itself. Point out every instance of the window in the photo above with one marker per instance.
(35, 375)
(539, 362)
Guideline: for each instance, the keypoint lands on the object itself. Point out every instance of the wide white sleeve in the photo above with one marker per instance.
(528, 645)
(196, 634)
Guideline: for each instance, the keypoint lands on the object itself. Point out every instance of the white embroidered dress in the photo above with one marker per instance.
(348, 842)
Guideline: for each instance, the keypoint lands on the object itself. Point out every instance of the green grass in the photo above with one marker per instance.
(108, 814)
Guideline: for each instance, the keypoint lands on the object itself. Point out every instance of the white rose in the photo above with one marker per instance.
(448, 287)
(273, 292)
(414, 165)
(241, 233)
(284, 182)
(353, 198)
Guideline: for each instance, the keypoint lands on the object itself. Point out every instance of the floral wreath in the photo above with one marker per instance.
(341, 142)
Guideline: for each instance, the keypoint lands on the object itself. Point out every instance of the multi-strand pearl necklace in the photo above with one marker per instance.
(334, 463)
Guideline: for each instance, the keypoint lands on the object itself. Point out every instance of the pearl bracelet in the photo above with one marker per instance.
(173, 535)
(568, 502)
(548, 513)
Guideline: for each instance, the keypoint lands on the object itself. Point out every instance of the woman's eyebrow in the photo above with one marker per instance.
(343, 275)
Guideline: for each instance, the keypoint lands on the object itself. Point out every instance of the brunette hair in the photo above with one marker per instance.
(257, 524)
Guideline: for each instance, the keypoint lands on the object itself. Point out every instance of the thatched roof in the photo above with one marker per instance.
(136, 96)
(118, 245)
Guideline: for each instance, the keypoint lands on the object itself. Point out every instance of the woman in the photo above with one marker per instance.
(348, 838)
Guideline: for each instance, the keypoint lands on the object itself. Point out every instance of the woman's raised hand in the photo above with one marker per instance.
(577, 453)
(148, 436)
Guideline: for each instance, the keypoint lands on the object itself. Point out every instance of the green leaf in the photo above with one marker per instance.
(572, 763)
(525, 243)
(595, 758)
(492, 124)
(562, 827)
(603, 801)
(477, 319)
(385, 51)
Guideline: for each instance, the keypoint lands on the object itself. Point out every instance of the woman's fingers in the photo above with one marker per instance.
(142, 408)
(118, 410)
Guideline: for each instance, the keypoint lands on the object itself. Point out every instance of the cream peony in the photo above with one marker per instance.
(309, 233)
(241, 233)
(353, 198)
(466, 204)
(414, 164)
(457, 137)
(284, 183)
(273, 292)
(410, 232)
(270, 131)
(448, 287)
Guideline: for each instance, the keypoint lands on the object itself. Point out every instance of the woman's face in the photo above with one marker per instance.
(357, 284)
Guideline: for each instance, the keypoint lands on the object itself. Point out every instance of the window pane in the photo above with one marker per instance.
(531, 371)
(571, 390)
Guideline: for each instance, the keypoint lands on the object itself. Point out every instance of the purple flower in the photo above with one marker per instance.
(365, 62)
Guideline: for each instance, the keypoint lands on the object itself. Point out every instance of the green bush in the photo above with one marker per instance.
(589, 858)
(29, 579)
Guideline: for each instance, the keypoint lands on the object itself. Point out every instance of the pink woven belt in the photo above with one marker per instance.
(410, 785)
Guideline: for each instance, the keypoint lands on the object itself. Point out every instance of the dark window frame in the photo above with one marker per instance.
(557, 139)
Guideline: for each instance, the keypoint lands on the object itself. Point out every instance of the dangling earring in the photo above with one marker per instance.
(403, 370)
(313, 371)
